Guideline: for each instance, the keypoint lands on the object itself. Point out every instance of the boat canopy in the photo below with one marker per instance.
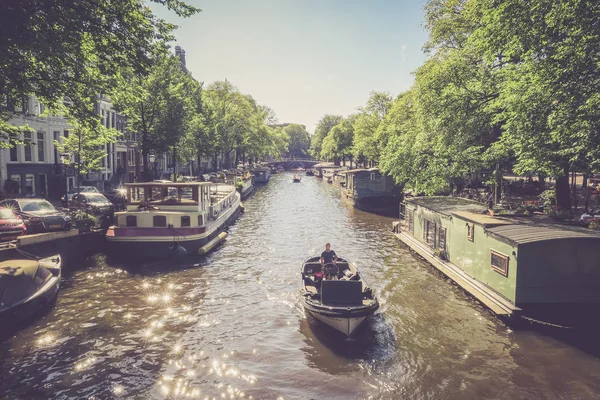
(20, 279)
(167, 193)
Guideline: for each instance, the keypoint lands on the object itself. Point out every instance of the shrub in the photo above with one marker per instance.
(595, 224)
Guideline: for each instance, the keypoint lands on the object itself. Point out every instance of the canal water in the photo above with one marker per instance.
(232, 326)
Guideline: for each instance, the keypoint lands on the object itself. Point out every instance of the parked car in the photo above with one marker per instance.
(82, 189)
(11, 225)
(39, 215)
(588, 217)
(94, 203)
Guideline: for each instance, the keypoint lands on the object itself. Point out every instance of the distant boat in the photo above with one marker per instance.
(296, 179)
(27, 287)
(336, 294)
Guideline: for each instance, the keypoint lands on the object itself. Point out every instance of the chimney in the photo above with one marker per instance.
(182, 57)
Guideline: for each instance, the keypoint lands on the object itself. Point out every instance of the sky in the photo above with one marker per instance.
(304, 58)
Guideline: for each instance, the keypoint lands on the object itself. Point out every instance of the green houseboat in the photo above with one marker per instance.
(531, 267)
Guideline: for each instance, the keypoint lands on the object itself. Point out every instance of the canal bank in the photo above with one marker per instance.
(234, 324)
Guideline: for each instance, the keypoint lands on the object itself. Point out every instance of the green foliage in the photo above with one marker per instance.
(87, 144)
(298, 142)
(547, 200)
(323, 127)
(337, 145)
(67, 52)
(162, 106)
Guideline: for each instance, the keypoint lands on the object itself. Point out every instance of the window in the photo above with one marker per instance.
(66, 135)
(40, 146)
(429, 232)
(131, 158)
(185, 221)
(441, 244)
(27, 146)
(56, 136)
(160, 221)
(470, 230)
(131, 221)
(402, 214)
(13, 153)
(29, 184)
(16, 187)
(200, 220)
(499, 263)
(372, 176)
(411, 221)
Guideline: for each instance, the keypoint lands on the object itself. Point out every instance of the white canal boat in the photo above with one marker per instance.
(336, 294)
(168, 219)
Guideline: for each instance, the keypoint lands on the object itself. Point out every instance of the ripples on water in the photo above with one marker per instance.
(233, 326)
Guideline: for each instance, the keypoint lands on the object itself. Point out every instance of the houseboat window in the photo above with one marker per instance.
(441, 238)
(372, 176)
(499, 263)
(429, 232)
(402, 211)
(470, 231)
(159, 221)
(131, 221)
(185, 221)
(200, 222)
(411, 221)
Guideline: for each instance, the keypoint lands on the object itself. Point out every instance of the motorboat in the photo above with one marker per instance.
(27, 286)
(296, 179)
(336, 294)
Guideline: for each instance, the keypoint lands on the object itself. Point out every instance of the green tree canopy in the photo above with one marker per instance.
(298, 142)
(323, 127)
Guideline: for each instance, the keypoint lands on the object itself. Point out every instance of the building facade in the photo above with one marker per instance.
(36, 168)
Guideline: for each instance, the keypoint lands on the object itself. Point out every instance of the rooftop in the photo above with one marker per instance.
(537, 232)
(482, 219)
(447, 205)
(355, 171)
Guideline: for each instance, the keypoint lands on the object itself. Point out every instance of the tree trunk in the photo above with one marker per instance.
(562, 191)
(542, 182)
(586, 193)
(146, 175)
(574, 189)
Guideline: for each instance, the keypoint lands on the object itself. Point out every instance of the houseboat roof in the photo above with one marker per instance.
(482, 219)
(167, 184)
(537, 232)
(447, 205)
(357, 170)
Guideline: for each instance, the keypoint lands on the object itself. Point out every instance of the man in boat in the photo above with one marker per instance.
(328, 256)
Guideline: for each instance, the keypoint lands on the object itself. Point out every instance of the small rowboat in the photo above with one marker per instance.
(336, 294)
(296, 180)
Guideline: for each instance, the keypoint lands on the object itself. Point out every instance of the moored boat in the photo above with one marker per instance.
(261, 175)
(296, 179)
(165, 220)
(336, 294)
(27, 287)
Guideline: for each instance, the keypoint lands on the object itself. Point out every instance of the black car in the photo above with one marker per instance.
(94, 203)
(39, 215)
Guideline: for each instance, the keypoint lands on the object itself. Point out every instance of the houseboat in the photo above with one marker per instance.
(243, 182)
(370, 190)
(262, 175)
(163, 218)
(317, 169)
(517, 267)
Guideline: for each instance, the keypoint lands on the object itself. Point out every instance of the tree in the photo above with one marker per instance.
(366, 144)
(323, 127)
(161, 107)
(75, 50)
(337, 145)
(298, 142)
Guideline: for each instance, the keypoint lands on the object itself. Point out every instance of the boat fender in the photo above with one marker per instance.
(178, 251)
